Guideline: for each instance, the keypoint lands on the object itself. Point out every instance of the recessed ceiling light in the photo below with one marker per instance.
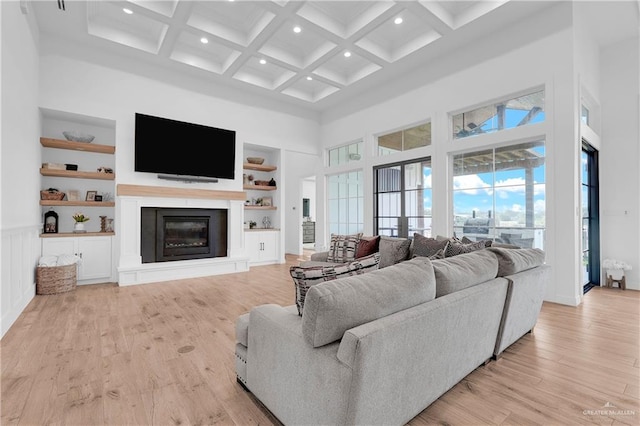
(204, 40)
(127, 11)
(398, 21)
(297, 29)
(263, 61)
(347, 54)
(309, 78)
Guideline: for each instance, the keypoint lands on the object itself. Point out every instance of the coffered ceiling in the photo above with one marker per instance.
(309, 51)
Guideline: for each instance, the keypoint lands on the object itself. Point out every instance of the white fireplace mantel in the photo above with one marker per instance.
(131, 199)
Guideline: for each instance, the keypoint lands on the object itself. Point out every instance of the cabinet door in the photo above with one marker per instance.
(252, 245)
(96, 257)
(269, 246)
(58, 246)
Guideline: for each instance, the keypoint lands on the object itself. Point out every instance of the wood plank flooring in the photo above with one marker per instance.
(163, 354)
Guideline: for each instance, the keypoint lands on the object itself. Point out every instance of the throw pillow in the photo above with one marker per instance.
(426, 247)
(304, 278)
(393, 250)
(487, 243)
(455, 248)
(367, 246)
(342, 248)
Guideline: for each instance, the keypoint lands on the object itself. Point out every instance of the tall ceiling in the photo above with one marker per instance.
(311, 53)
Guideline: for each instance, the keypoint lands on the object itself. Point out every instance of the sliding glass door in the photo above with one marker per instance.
(403, 198)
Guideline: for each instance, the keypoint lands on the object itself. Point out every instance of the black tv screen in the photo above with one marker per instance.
(178, 148)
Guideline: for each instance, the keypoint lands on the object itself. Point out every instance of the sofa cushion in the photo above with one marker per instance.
(367, 246)
(334, 307)
(512, 261)
(422, 246)
(393, 250)
(465, 270)
(305, 277)
(342, 248)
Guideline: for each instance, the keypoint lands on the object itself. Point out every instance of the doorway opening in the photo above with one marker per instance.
(308, 233)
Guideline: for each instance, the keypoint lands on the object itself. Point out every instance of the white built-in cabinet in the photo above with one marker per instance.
(262, 246)
(95, 246)
(94, 253)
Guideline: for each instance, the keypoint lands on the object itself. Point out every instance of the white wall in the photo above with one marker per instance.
(620, 156)
(299, 166)
(544, 63)
(72, 85)
(20, 219)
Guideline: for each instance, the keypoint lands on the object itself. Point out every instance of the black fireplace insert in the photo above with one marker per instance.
(170, 234)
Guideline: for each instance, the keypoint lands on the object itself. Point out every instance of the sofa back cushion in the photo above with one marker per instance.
(464, 270)
(393, 250)
(512, 261)
(306, 276)
(334, 307)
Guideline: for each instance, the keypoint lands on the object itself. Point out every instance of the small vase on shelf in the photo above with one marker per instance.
(79, 227)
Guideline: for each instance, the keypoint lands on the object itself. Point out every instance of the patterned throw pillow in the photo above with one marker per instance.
(367, 246)
(487, 243)
(455, 248)
(304, 278)
(393, 250)
(426, 247)
(342, 248)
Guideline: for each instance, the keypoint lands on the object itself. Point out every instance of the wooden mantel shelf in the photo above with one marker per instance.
(171, 192)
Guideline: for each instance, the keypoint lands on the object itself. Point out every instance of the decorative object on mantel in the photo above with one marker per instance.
(79, 219)
(51, 222)
(91, 195)
(272, 182)
(615, 272)
(76, 136)
(103, 224)
(252, 224)
(255, 160)
(109, 227)
(51, 194)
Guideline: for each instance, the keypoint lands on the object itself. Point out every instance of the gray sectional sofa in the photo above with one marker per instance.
(379, 348)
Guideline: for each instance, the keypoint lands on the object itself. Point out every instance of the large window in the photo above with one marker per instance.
(506, 114)
(345, 201)
(403, 199)
(500, 194)
(345, 154)
(404, 140)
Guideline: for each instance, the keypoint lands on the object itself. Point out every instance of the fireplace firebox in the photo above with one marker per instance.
(169, 234)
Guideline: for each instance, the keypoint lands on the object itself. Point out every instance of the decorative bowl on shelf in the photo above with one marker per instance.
(75, 136)
(255, 160)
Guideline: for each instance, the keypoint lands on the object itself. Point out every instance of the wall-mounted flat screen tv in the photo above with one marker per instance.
(179, 148)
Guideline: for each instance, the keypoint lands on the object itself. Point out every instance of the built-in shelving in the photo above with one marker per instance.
(259, 167)
(78, 234)
(77, 146)
(260, 187)
(77, 174)
(250, 207)
(77, 203)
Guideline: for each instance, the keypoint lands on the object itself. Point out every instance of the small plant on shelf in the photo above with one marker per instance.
(79, 218)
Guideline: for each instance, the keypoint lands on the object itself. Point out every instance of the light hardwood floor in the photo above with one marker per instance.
(163, 354)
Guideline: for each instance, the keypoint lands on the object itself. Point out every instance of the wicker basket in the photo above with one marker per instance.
(47, 195)
(55, 279)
